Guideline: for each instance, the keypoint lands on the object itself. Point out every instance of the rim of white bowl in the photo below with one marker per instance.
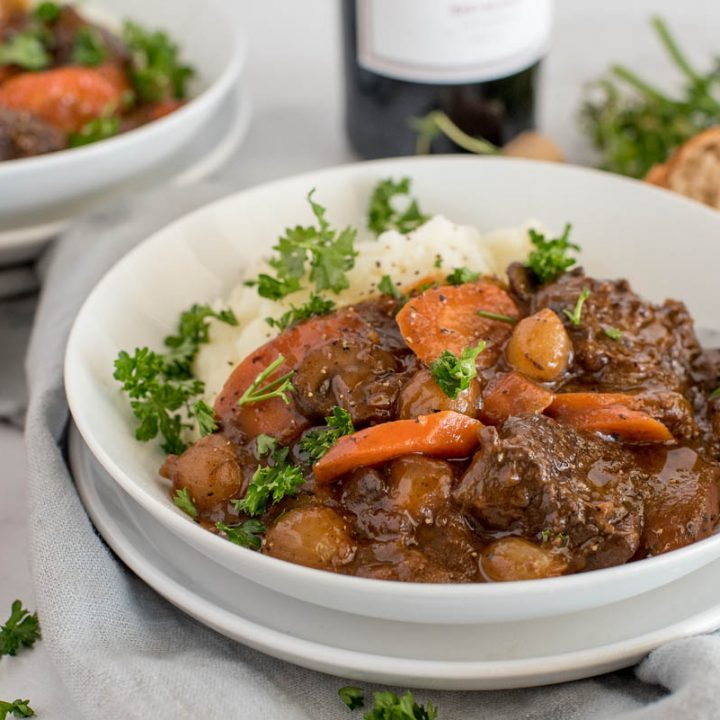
(208, 96)
(173, 518)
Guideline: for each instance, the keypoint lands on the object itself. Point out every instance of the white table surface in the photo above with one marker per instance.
(294, 78)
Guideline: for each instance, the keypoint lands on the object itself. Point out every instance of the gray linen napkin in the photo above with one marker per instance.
(125, 653)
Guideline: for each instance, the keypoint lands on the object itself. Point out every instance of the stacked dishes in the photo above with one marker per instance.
(476, 635)
(40, 194)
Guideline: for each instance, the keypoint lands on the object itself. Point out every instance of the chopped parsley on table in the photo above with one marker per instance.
(315, 443)
(21, 629)
(388, 706)
(550, 258)
(161, 386)
(16, 708)
(392, 208)
(454, 374)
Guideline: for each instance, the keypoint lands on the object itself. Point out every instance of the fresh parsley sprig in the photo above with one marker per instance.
(500, 317)
(246, 534)
(26, 50)
(392, 208)
(315, 443)
(99, 128)
(462, 275)
(89, 48)
(550, 257)
(328, 254)
(575, 315)
(387, 287)
(161, 386)
(454, 374)
(271, 483)
(156, 70)
(21, 629)
(279, 387)
(183, 500)
(16, 708)
(315, 306)
(388, 706)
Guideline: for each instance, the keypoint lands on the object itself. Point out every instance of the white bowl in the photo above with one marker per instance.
(666, 245)
(49, 187)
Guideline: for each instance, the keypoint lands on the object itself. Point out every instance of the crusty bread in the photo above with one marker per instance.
(693, 169)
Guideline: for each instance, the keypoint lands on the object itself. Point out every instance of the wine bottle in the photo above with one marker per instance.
(477, 61)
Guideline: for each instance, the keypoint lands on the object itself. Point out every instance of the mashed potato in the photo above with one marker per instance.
(405, 258)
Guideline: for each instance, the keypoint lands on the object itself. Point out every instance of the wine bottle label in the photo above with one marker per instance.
(451, 41)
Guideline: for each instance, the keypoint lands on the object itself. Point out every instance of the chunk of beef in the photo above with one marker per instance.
(682, 499)
(656, 348)
(534, 477)
(352, 373)
(23, 135)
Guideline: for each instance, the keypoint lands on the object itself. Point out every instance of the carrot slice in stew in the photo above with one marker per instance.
(513, 394)
(274, 417)
(446, 318)
(445, 434)
(608, 413)
(67, 97)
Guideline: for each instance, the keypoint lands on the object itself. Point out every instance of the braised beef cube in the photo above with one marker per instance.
(682, 499)
(622, 341)
(354, 374)
(545, 481)
(23, 135)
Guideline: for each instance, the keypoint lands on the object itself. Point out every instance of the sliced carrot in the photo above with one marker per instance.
(445, 434)
(513, 394)
(67, 97)
(446, 318)
(608, 413)
(274, 417)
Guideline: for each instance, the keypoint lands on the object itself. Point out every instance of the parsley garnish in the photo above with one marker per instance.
(453, 373)
(384, 213)
(26, 50)
(279, 387)
(317, 442)
(330, 255)
(159, 385)
(315, 305)
(265, 444)
(613, 333)
(497, 316)
(462, 275)
(270, 482)
(16, 708)
(575, 315)
(183, 500)
(48, 12)
(247, 533)
(550, 257)
(714, 394)
(156, 71)
(353, 697)
(438, 261)
(88, 48)
(388, 706)
(387, 287)
(21, 629)
(100, 128)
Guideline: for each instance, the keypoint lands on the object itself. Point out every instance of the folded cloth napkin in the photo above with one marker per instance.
(125, 653)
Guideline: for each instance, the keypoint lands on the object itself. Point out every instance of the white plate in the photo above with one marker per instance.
(460, 657)
(204, 155)
(666, 244)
